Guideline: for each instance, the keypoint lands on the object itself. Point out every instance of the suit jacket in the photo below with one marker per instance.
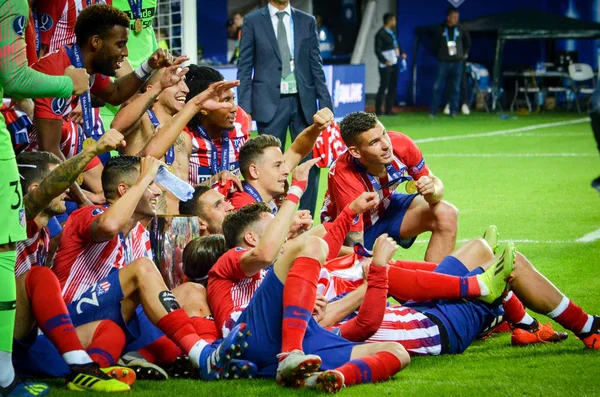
(259, 95)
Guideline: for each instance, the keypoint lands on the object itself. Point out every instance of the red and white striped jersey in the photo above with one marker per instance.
(412, 329)
(329, 146)
(34, 250)
(57, 20)
(229, 289)
(81, 262)
(346, 182)
(341, 275)
(200, 159)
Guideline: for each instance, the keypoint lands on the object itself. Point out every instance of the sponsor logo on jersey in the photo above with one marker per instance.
(19, 25)
(46, 22)
(58, 106)
(97, 211)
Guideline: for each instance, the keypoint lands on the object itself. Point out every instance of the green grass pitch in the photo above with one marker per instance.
(534, 184)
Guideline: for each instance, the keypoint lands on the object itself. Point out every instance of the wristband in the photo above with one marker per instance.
(294, 194)
(144, 71)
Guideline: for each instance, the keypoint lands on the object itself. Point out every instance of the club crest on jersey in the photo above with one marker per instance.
(58, 106)
(355, 220)
(97, 211)
(46, 22)
(19, 25)
(237, 142)
(102, 288)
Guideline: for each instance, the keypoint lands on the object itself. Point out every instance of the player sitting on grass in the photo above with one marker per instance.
(103, 266)
(376, 161)
(39, 300)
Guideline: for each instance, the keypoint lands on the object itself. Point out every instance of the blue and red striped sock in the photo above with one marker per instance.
(376, 368)
(107, 344)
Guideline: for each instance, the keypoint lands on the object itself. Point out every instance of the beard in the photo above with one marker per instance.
(104, 65)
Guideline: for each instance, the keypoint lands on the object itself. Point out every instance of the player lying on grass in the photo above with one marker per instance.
(39, 300)
(450, 326)
(378, 161)
(104, 270)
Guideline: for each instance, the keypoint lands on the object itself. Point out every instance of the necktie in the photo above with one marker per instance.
(284, 48)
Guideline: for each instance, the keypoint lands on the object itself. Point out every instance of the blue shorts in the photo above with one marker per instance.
(150, 334)
(391, 221)
(103, 302)
(263, 318)
(36, 356)
(462, 320)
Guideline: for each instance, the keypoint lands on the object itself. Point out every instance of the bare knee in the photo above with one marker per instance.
(316, 248)
(482, 248)
(522, 265)
(397, 350)
(193, 299)
(446, 217)
(144, 267)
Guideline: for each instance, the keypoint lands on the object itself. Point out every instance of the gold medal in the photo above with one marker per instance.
(410, 187)
(88, 143)
(138, 25)
(171, 169)
(80, 179)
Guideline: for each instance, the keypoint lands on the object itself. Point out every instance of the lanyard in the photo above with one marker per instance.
(395, 176)
(124, 246)
(86, 102)
(136, 8)
(170, 155)
(252, 192)
(393, 37)
(448, 36)
(214, 153)
(36, 24)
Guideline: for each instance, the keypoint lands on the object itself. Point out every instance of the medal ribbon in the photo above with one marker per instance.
(136, 8)
(74, 54)
(214, 153)
(170, 155)
(396, 176)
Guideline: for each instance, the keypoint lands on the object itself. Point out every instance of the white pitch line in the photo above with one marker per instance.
(502, 132)
(590, 237)
(526, 241)
(511, 155)
(549, 134)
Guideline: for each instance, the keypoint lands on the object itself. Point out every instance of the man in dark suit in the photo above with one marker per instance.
(281, 44)
(388, 51)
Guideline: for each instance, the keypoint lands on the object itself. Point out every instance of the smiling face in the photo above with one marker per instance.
(373, 146)
(110, 51)
(221, 119)
(271, 171)
(146, 207)
(172, 99)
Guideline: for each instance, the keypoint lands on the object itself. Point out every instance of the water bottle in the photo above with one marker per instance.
(182, 190)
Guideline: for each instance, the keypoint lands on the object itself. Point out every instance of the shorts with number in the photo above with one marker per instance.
(263, 318)
(391, 221)
(102, 302)
(11, 204)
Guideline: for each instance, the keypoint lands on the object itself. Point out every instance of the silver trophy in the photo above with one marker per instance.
(169, 234)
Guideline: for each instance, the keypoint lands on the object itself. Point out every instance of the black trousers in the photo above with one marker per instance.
(388, 81)
(289, 115)
(596, 127)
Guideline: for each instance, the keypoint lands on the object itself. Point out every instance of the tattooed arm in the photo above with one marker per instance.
(65, 174)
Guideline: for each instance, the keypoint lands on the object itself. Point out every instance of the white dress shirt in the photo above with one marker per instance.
(286, 22)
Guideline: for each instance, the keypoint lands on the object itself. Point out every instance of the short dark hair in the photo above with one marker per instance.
(34, 167)
(192, 206)
(451, 10)
(117, 170)
(198, 78)
(387, 17)
(253, 149)
(201, 254)
(98, 19)
(237, 223)
(355, 124)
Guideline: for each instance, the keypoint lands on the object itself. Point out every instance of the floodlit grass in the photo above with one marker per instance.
(535, 186)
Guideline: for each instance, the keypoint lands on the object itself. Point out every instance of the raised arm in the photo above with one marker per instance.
(65, 174)
(207, 99)
(305, 141)
(269, 246)
(114, 219)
